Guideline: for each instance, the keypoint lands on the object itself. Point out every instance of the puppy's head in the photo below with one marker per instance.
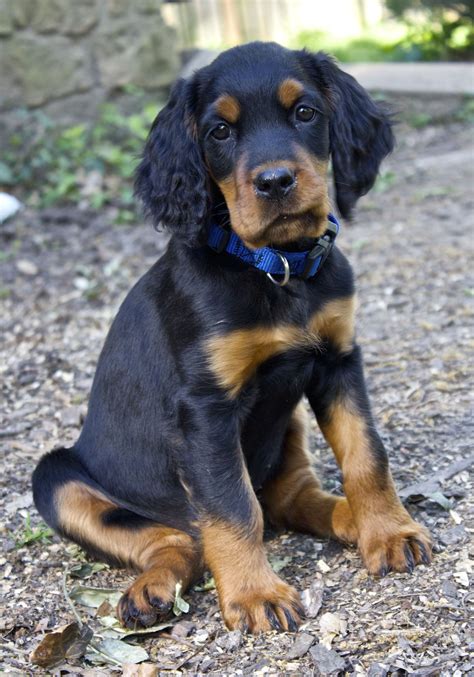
(247, 140)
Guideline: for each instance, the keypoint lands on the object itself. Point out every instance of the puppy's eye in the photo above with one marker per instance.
(221, 132)
(305, 113)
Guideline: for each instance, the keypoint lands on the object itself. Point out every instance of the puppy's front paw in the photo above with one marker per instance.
(395, 543)
(148, 601)
(259, 607)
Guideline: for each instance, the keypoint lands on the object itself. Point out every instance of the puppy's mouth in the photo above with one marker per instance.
(289, 227)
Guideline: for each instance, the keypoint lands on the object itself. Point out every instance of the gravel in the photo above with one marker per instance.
(62, 280)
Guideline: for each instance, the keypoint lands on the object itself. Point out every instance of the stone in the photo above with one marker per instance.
(453, 535)
(231, 641)
(6, 18)
(448, 589)
(71, 417)
(22, 12)
(117, 7)
(81, 17)
(39, 69)
(326, 661)
(48, 15)
(148, 6)
(378, 670)
(183, 629)
(302, 644)
(142, 670)
(130, 52)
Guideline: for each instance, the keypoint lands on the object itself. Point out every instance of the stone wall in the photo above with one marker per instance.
(67, 56)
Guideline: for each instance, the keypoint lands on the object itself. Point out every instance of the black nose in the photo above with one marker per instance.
(275, 183)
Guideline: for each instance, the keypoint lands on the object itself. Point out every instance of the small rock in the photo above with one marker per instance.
(312, 598)
(183, 629)
(326, 661)
(378, 670)
(142, 670)
(230, 641)
(449, 589)
(303, 642)
(453, 535)
(26, 267)
(70, 417)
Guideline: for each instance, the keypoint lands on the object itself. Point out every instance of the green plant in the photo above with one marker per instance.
(30, 534)
(88, 165)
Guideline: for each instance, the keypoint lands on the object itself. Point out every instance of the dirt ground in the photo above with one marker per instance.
(63, 275)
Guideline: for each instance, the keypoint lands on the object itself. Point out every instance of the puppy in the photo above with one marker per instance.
(195, 429)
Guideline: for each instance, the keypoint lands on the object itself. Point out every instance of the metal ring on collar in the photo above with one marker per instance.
(286, 275)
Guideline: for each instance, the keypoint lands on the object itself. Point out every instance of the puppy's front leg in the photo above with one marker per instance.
(389, 539)
(252, 597)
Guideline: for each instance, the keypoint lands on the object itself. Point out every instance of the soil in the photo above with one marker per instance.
(64, 273)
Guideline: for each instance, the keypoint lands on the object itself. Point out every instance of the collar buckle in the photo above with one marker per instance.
(321, 250)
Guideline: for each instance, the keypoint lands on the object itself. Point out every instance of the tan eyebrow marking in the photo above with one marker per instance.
(289, 91)
(228, 108)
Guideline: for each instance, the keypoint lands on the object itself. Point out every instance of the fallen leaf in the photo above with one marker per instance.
(116, 652)
(94, 597)
(69, 641)
(312, 598)
(279, 563)
(330, 626)
(323, 566)
(86, 570)
(112, 623)
(180, 606)
(208, 584)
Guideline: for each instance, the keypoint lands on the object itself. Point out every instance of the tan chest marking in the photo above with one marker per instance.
(235, 357)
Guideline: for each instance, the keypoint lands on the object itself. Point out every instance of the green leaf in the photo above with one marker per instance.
(208, 584)
(94, 597)
(180, 606)
(86, 570)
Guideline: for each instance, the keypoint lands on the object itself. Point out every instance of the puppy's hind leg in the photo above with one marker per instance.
(163, 556)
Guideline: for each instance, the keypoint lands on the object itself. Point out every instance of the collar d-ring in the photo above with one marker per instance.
(286, 275)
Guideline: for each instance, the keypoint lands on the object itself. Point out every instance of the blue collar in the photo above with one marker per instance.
(273, 261)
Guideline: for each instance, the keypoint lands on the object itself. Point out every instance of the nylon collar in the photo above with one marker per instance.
(274, 261)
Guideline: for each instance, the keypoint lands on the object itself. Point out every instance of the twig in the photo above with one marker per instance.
(69, 600)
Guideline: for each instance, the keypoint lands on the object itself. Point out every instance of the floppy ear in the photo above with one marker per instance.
(360, 133)
(171, 179)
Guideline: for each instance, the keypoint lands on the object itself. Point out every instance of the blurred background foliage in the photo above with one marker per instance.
(91, 164)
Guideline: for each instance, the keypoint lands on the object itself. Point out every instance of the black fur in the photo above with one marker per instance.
(162, 439)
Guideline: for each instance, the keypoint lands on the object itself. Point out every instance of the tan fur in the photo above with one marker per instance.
(234, 357)
(245, 582)
(336, 323)
(165, 555)
(384, 526)
(228, 108)
(294, 499)
(258, 223)
(289, 92)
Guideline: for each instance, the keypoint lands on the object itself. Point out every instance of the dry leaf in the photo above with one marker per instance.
(69, 641)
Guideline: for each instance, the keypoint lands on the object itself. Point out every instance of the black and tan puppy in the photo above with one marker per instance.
(195, 428)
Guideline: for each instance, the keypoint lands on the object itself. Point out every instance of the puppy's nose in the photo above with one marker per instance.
(275, 183)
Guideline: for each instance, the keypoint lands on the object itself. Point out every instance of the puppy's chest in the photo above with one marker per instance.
(235, 357)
